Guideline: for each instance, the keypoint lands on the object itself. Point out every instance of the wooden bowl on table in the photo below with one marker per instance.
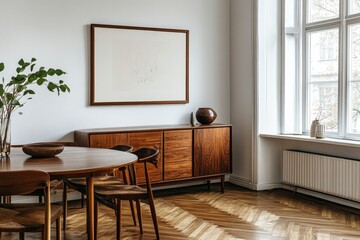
(43, 150)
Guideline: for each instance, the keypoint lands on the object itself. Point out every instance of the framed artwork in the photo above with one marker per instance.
(138, 65)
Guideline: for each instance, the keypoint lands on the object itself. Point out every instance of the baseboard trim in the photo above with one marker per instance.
(323, 196)
(239, 181)
(268, 186)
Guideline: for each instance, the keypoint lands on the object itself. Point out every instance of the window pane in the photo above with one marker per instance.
(290, 16)
(322, 77)
(319, 10)
(354, 113)
(354, 79)
(354, 6)
(291, 123)
(323, 99)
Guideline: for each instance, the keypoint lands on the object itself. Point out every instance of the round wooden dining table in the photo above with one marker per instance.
(72, 162)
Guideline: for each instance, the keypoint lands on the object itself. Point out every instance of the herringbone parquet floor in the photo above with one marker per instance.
(195, 213)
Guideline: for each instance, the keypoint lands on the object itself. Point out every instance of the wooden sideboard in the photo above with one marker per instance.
(187, 153)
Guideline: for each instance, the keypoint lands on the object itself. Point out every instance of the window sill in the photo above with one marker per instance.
(304, 138)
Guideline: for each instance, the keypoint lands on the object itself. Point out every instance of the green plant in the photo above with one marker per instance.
(15, 93)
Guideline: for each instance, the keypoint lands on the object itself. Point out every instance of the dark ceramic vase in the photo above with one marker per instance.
(205, 115)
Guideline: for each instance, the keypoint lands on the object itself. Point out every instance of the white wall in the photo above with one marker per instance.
(268, 91)
(242, 90)
(57, 34)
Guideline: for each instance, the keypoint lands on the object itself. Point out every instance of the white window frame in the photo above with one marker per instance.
(295, 31)
(342, 22)
(349, 20)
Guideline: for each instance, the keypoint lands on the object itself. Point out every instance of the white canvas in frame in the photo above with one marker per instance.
(139, 65)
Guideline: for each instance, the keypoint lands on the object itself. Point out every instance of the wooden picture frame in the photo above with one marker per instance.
(139, 65)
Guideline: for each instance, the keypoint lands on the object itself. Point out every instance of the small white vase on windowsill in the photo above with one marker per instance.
(314, 124)
(320, 131)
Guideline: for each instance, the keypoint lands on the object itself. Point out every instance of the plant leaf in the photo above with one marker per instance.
(20, 79)
(51, 72)
(29, 91)
(40, 81)
(51, 86)
(33, 59)
(26, 65)
(20, 88)
(59, 72)
(32, 78)
(2, 66)
(42, 74)
(21, 62)
(9, 97)
(32, 67)
(63, 88)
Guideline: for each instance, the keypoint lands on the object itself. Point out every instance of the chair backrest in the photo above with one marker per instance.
(27, 181)
(123, 148)
(22, 182)
(145, 155)
(149, 155)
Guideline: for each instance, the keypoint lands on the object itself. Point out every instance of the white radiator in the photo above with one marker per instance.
(331, 175)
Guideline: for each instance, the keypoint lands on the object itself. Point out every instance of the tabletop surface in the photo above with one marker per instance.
(72, 161)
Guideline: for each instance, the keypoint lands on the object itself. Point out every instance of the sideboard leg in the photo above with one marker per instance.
(208, 185)
(222, 184)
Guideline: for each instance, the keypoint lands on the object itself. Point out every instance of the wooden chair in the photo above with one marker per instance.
(28, 217)
(112, 195)
(79, 184)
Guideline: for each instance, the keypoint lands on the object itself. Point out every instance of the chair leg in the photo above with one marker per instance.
(118, 219)
(58, 229)
(138, 209)
(82, 200)
(222, 184)
(126, 180)
(40, 199)
(22, 235)
(153, 215)
(132, 208)
(208, 184)
(96, 218)
(64, 203)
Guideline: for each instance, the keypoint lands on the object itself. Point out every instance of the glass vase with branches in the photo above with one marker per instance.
(19, 89)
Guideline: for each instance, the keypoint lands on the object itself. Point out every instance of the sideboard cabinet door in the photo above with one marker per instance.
(108, 140)
(177, 154)
(212, 151)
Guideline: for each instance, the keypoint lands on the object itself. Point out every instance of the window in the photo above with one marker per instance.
(321, 65)
(322, 77)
